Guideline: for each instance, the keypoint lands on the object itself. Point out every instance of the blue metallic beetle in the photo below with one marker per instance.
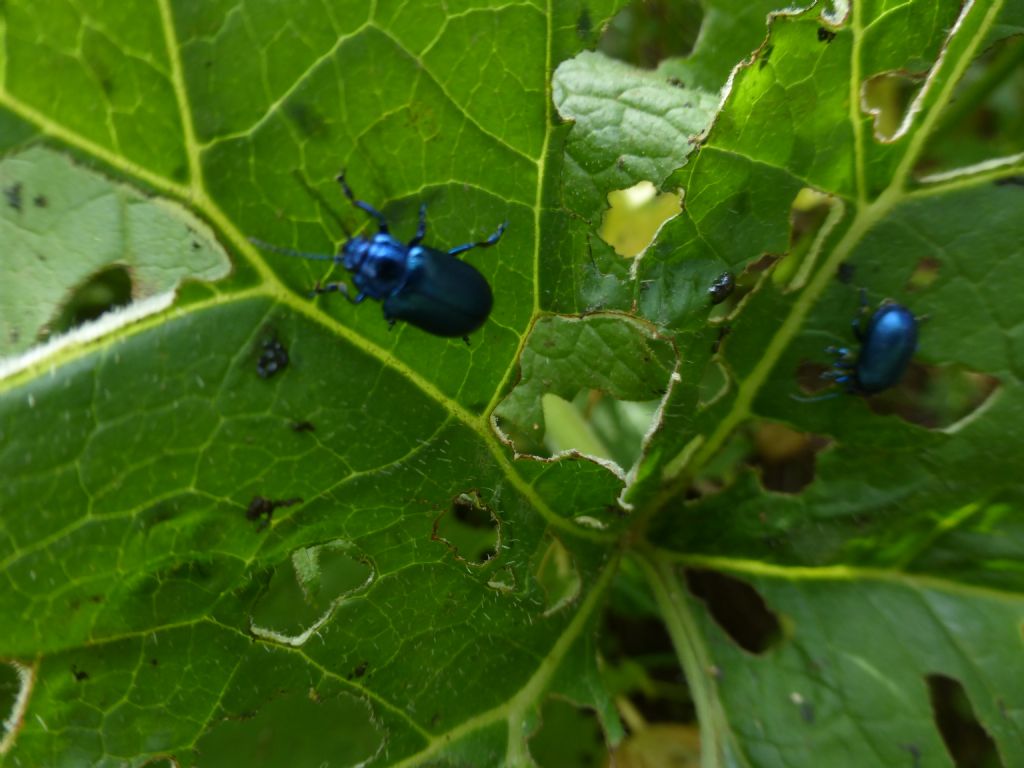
(423, 286)
(887, 344)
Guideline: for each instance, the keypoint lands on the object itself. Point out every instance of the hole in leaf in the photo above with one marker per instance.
(737, 608)
(15, 686)
(568, 736)
(556, 573)
(785, 457)
(646, 33)
(635, 215)
(598, 425)
(304, 592)
(267, 737)
(599, 378)
(666, 744)
(641, 667)
(469, 529)
(935, 397)
(107, 289)
(983, 119)
(886, 97)
(810, 378)
(926, 272)
(969, 744)
(807, 215)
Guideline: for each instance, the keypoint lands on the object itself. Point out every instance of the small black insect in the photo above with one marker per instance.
(273, 359)
(261, 507)
(722, 287)
(826, 35)
(13, 195)
(846, 272)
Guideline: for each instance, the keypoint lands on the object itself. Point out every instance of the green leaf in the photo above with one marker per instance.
(58, 240)
(241, 525)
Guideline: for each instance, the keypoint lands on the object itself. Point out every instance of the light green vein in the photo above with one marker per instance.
(856, 118)
(844, 573)
(538, 202)
(719, 747)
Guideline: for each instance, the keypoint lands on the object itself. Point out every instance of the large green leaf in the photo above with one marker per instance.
(366, 555)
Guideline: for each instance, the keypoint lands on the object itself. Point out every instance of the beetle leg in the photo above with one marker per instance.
(818, 398)
(341, 288)
(421, 229)
(483, 244)
(366, 207)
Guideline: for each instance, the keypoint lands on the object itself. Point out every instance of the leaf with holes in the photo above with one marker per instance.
(239, 525)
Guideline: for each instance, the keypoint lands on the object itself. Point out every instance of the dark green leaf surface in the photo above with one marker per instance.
(366, 558)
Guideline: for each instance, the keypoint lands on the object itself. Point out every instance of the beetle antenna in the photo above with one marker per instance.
(292, 252)
(816, 399)
(312, 192)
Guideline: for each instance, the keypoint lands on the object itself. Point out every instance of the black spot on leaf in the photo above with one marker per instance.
(1010, 181)
(262, 509)
(584, 24)
(13, 195)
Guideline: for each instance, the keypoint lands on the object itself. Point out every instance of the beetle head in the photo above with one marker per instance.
(378, 264)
